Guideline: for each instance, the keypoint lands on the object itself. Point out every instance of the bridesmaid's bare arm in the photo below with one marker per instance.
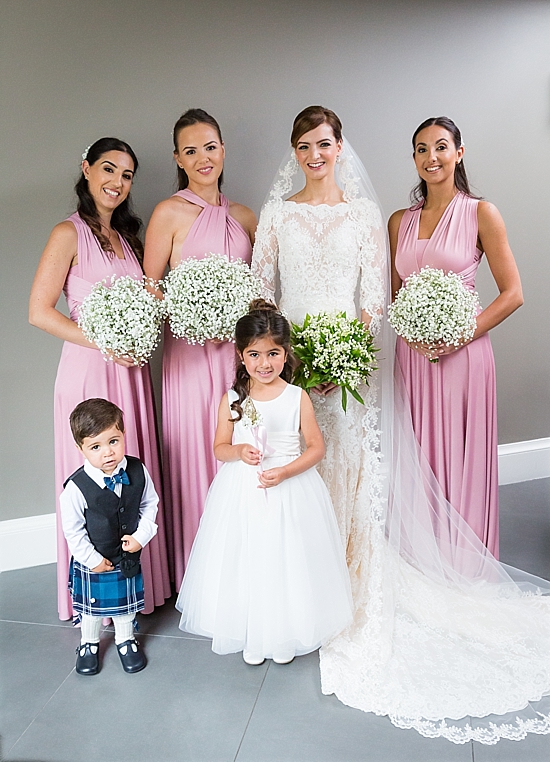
(58, 257)
(245, 217)
(159, 240)
(167, 230)
(494, 242)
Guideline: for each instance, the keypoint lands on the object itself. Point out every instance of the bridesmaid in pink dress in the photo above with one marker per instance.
(453, 402)
(196, 221)
(99, 240)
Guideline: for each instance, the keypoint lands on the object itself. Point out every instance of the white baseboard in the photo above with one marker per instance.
(31, 541)
(524, 461)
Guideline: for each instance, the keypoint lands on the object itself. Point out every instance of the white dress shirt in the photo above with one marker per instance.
(73, 519)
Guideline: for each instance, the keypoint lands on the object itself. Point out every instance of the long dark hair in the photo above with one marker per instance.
(420, 191)
(263, 319)
(190, 117)
(124, 221)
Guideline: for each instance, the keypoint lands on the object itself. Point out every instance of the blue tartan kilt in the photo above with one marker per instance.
(104, 593)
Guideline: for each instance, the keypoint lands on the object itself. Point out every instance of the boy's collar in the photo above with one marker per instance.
(98, 475)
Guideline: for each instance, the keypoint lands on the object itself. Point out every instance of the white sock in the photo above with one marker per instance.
(124, 628)
(89, 629)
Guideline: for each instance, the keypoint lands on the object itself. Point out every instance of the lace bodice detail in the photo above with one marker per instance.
(321, 255)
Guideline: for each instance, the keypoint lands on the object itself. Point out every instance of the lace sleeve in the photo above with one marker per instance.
(265, 253)
(373, 264)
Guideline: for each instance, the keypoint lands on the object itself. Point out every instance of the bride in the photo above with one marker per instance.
(445, 639)
(325, 241)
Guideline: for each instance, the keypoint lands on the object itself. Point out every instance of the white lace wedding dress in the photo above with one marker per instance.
(443, 639)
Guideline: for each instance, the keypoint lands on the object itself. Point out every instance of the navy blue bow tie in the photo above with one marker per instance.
(120, 478)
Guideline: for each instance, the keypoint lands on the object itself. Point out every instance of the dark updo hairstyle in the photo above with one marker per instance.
(263, 320)
(310, 118)
(193, 116)
(124, 221)
(420, 192)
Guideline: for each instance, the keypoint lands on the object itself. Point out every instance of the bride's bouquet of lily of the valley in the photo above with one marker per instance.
(123, 318)
(333, 348)
(204, 298)
(434, 307)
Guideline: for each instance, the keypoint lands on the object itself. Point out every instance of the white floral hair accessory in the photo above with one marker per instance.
(85, 154)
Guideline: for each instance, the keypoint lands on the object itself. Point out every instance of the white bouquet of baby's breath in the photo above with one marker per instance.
(434, 307)
(123, 318)
(333, 348)
(204, 298)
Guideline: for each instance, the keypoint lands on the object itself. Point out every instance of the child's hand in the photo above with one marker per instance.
(272, 477)
(130, 544)
(104, 566)
(249, 455)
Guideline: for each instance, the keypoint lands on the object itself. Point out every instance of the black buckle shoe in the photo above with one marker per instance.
(87, 663)
(131, 657)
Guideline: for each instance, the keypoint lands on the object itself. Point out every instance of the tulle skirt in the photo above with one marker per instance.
(267, 571)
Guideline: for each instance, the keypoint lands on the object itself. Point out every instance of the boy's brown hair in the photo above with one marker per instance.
(91, 417)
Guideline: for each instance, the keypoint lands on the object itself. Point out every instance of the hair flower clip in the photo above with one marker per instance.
(85, 154)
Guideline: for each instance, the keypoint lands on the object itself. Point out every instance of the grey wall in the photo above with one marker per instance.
(73, 71)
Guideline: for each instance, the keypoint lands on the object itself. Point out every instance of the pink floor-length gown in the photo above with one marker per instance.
(195, 378)
(453, 402)
(82, 374)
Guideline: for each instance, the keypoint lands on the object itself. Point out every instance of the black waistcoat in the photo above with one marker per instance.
(108, 517)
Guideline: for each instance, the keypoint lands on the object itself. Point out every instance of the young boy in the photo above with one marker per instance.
(108, 511)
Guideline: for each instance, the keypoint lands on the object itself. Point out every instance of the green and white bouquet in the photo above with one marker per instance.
(123, 318)
(434, 307)
(204, 298)
(333, 348)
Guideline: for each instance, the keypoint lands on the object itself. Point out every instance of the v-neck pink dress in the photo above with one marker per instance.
(82, 374)
(453, 402)
(195, 378)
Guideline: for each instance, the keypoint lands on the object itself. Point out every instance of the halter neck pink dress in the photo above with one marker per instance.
(195, 378)
(453, 402)
(83, 373)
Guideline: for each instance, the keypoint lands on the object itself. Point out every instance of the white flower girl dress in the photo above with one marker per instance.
(267, 572)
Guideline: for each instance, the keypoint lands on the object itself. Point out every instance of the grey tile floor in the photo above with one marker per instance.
(191, 705)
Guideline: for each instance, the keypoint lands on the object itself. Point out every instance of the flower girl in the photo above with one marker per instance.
(267, 573)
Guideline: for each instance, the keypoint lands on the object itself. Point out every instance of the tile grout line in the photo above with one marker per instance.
(251, 713)
(110, 628)
(107, 628)
(40, 624)
(174, 637)
(42, 708)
